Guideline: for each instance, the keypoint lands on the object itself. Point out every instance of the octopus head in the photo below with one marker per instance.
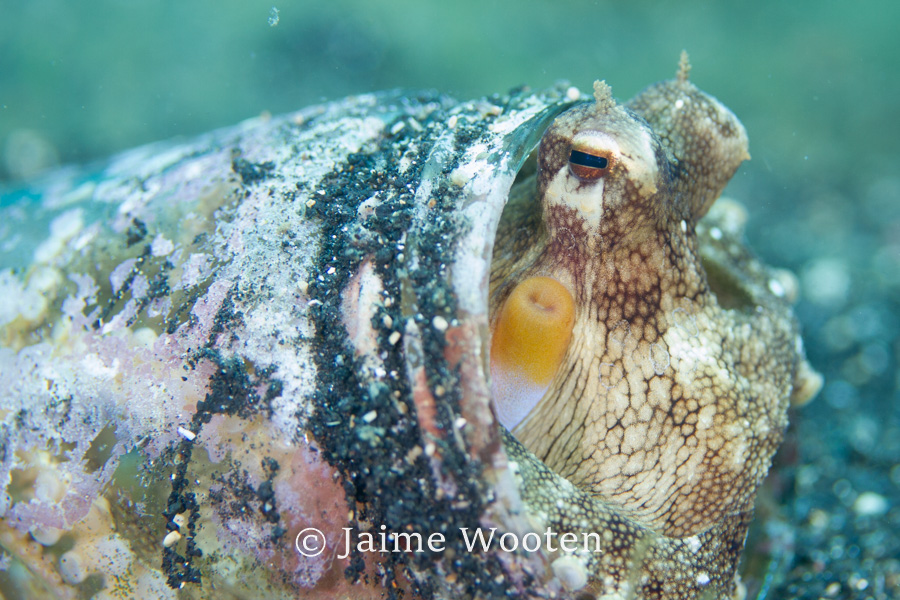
(602, 167)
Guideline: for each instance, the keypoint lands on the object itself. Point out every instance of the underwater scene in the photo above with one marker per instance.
(412, 299)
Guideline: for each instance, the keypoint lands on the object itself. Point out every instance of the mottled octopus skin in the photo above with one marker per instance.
(287, 324)
(668, 405)
(656, 441)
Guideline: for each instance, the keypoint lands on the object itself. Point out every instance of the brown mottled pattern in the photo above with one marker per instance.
(705, 139)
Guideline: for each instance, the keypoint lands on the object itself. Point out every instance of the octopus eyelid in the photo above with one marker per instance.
(577, 157)
(588, 161)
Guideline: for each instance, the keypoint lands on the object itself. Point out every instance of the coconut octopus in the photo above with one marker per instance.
(616, 358)
(388, 317)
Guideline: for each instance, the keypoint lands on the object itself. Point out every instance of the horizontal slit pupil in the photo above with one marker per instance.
(588, 160)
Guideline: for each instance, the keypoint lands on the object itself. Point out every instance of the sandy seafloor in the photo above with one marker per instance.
(816, 84)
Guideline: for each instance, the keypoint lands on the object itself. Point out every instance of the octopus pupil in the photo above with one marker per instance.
(588, 160)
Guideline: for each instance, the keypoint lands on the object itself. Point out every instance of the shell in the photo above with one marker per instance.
(210, 347)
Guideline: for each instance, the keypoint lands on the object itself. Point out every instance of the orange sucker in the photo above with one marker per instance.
(534, 329)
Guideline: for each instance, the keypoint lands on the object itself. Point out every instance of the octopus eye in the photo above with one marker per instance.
(587, 163)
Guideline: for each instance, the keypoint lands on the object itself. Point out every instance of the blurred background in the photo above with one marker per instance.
(816, 84)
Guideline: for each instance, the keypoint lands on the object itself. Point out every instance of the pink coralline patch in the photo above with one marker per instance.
(458, 341)
(146, 384)
(194, 269)
(161, 246)
(66, 497)
(139, 287)
(188, 181)
(166, 175)
(87, 287)
(82, 486)
(120, 274)
(308, 494)
(238, 237)
(358, 305)
(463, 351)
(219, 434)
(121, 318)
(311, 496)
(134, 389)
(208, 306)
(426, 407)
(235, 243)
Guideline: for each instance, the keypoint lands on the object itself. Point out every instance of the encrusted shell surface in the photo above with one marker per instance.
(211, 346)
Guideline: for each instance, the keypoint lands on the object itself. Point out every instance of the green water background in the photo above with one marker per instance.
(816, 84)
